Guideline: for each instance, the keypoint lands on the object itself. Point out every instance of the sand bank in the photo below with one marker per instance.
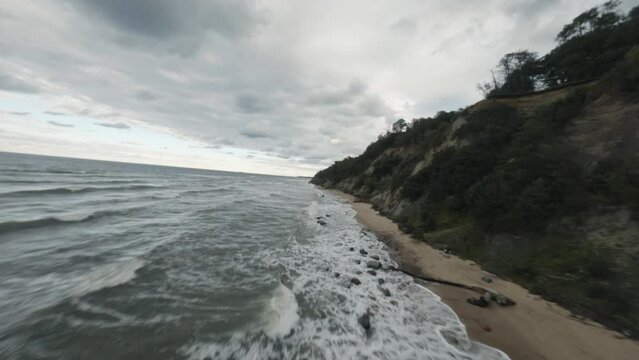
(533, 329)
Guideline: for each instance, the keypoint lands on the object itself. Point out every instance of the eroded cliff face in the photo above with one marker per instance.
(542, 188)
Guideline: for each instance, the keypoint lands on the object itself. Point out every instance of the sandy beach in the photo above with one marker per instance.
(532, 329)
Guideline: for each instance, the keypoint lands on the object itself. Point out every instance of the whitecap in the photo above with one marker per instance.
(281, 313)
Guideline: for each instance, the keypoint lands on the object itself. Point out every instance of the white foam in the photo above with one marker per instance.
(281, 312)
(106, 276)
(412, 323)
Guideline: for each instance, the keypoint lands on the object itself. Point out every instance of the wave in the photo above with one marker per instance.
(13, 226)
(106, 276)
(281, 313)
(78, 190)
(206, 191)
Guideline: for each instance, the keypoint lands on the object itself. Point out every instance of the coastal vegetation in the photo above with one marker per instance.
(539, 182)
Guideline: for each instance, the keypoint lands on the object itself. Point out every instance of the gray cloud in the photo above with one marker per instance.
(249, 103)
(120, 126)
(19, 113)
(254, 134)
(11, 83)
(54, 113)
(55, 123)
(184, 23)
(405, 24)
(146, 95)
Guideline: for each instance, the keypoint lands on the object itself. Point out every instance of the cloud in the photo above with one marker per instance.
(254, 134)
(249, 103)
(54, 113)
(311, 82)
(146, 95)
(120, 126)
(405, 24)
(10, 83)
(55, 123)
(184, 24)
(19, 113)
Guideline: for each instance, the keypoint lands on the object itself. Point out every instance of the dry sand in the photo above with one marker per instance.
(532, 329)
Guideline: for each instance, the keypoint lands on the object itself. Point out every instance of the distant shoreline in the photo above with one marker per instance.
(532, 329)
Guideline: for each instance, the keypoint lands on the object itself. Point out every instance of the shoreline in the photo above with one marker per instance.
(532, 329)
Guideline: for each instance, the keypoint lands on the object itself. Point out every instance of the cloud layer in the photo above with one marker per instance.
(304, 82)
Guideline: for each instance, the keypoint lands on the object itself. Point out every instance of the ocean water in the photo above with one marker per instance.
(103, 260)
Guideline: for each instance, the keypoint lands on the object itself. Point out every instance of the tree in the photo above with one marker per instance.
(400, 126)
(599, 17)
(518, 72)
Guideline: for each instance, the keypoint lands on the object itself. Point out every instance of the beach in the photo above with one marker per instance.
(532, 329)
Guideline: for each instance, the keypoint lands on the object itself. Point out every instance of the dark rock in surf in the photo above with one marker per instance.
(363, 252)
(358, 261)
(374, 264)
(336, 274)
(351, 249)
(385, 291)
(372, 272)
(380, 281)
(321, 222)
(355, 281)
(374, 257)
(365, 322)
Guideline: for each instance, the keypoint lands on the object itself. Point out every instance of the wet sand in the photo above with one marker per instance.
(532, 329)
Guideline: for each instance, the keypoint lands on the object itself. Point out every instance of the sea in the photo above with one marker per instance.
(106, 260)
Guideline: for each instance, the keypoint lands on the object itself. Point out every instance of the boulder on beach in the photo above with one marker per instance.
(321, 222)
(363, 252)
(480, 301)
(373, 264)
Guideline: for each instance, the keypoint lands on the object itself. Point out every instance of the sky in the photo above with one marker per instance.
(281, 87)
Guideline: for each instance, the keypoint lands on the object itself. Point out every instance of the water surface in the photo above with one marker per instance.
(102, 260)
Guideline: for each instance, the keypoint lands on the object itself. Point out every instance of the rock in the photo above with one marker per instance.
(375, 257)
(480, 301)
(327, 215)
(372, 272)
(503, 301)
(365, 321)
(336, 274)
(351, 249)
(394, 302)
(380, 281)
(358, 261)
(355, 281)
(321, 222)
(385, 291)
(363, 252)
(487, 279)
(358, 272)
(487, 296)
(373, 264)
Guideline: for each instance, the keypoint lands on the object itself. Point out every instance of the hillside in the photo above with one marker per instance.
(538, 187)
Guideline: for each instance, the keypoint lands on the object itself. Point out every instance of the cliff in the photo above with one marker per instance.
(541, 188)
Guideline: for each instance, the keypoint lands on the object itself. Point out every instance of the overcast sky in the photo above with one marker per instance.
(274, 86)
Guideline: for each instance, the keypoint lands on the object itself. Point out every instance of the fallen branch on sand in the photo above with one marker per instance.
(500, 299)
